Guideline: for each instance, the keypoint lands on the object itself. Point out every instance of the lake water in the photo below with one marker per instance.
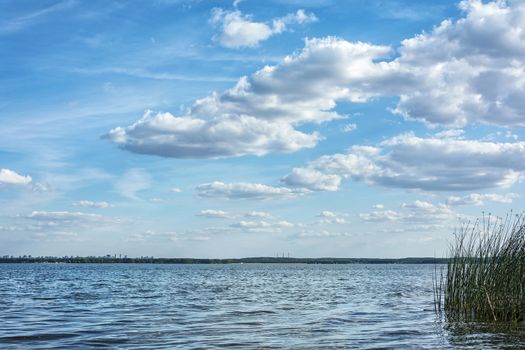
(249, 306)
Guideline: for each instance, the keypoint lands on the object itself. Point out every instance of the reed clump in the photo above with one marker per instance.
(485, 279)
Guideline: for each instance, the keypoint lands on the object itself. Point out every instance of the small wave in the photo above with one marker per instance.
(33, 337)
(105, 341)
(251, 313)
(45, 298)
(401, 332)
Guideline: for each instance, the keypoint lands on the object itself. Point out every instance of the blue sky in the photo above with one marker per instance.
(219, 129)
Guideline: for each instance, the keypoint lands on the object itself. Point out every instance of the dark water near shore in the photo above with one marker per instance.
(273, 306)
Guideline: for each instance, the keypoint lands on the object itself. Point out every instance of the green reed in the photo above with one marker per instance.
(485, 279)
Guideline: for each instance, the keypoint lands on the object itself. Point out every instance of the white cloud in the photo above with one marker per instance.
(480, 199)
(9, 177)
(65, 216)
(327, 214)
(217, 214)
(299, 17)
(349, 127)
(329, 217)
(91, 204)
(450, 134)
(469, 70)
(321, 234)
(175, 190)
(403, 161)
(239, 30)
(332, 221)
(378, 206)
(243, 190)
(253, 225)
(262, 226)
(463, 72)
(258, 214)
(500, 134)
(260, 113)
(312, 179)
(285, 224)
(381, 216)
(165, 135)
(422, 214)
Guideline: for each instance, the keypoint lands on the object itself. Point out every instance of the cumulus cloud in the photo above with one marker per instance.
(238, 30)
(312, 179)
(91, 204)
(332, 221)
(10, 177)
(258, 214)
(349, 127)
(166, 135)
(403, 162)
(262, 226)
(321, 234)
(462, 72)
(417, 213)
(327, 214)
(381, 216)
(424, 212)
(329, 217)
(260, 113)
(217, 214)
(480, 199)
(66, 216)
(469, 70)
(243, 190)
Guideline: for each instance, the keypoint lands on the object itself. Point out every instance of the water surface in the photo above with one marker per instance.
(245, 306)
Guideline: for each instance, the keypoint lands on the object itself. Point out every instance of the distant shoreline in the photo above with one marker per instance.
(259, 260)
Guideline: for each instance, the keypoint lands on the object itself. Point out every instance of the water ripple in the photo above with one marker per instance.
(249, 306)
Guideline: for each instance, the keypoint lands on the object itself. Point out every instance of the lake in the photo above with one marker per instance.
(245, 306)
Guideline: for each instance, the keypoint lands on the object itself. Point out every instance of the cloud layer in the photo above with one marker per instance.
(243, 190)
(404, 162)
(92, 204)
(418, 215)
(463, 72)
(481, 199)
